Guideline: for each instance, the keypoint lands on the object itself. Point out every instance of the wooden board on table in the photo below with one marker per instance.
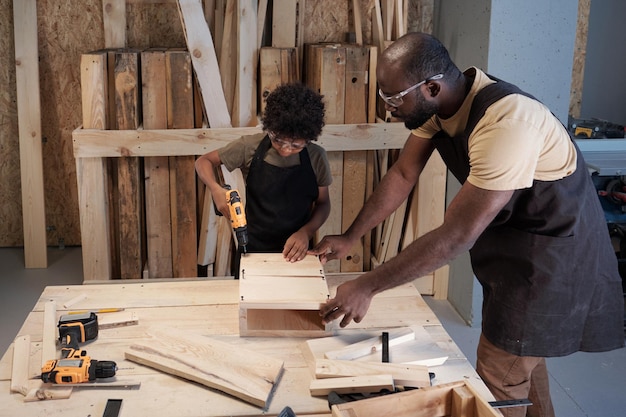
(237, 371)
(273, 264)
(436, 401)
(352, 385)
(406, 375)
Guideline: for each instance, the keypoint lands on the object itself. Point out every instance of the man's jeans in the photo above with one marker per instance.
(510, 377)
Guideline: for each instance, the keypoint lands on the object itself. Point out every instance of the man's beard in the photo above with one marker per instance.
(422, 113)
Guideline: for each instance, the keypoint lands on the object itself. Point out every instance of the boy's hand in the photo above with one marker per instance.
(296, 246)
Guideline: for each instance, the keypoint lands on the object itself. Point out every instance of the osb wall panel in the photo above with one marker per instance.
(11, 233)
(580, 53)
(68, 29)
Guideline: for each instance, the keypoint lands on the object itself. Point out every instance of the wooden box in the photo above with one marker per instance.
(278, 298)
(455, 399)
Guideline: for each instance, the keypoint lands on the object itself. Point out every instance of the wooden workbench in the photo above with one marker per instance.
(208, 307)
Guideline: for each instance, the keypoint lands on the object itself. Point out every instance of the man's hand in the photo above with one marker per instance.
(331, 247)
(295, 248)
(352, 301)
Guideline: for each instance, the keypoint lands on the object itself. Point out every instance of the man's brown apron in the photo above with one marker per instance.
(549, 274)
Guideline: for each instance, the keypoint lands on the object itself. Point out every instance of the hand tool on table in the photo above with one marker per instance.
(77, 328)
(75, 366)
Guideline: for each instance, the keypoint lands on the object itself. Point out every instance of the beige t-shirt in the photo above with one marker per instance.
(239, 154)
(518, 140)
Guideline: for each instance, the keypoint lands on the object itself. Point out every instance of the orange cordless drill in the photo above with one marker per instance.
(237, 217)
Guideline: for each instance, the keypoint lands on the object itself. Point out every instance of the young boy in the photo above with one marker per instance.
(287, 176)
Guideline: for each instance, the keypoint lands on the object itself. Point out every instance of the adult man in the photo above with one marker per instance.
(527, 211)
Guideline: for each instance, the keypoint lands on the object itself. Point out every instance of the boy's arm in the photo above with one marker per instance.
(297, 244)
(205, 167)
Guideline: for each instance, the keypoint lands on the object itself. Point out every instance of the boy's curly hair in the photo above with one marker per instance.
(294, 111)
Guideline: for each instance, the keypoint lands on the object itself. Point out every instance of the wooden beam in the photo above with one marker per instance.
(351, 385)
(99, 143)
(29, 126)
(19, 368)
(200, 45)
(403, 374)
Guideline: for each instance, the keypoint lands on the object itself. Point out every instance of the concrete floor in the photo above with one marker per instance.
(582, 384)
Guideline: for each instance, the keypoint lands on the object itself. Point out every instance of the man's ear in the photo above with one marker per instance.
(434, 88)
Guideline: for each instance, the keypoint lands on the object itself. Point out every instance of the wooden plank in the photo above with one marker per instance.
(92, 173)
(378, 36)
(277, 66)
(334, 137)
(247, 59)
(403, 374)
(241, 372)
(200, 45)
(129, 178)
(19, 368)
(260, 22)
(49, 331)
(352, 385)
(182, 169)
(355, 162)
(29, 118)
(356, 13)
(156, 169)
(284, 23)
(326, 69)
(114, 18)
(273, 264)
(228, 55)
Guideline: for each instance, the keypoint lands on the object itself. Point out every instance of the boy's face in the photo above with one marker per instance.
(287, 146)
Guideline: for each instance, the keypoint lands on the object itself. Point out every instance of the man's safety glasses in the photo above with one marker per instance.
(396, 99)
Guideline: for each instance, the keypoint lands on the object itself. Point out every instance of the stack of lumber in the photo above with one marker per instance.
(161, 221)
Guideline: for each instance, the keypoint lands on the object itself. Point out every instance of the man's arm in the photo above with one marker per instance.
(393, 189)
(298, 243)
(466, 218)
(205, 167)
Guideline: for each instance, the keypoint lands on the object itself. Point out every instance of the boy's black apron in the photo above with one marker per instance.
(549, 273)
(278, 200)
